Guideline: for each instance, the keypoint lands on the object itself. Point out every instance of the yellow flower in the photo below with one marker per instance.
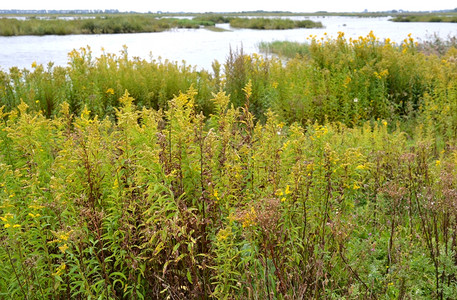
(110, 91)
(60, 270)
(384, 122)
(64, 236)
(34, 64)
(287, 190)
(16, 226)
(250, 218)
(7, 225)
(437, 162)
(63, 248)
(223, 234)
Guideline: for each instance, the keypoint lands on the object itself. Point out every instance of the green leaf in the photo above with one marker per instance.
(189, 277)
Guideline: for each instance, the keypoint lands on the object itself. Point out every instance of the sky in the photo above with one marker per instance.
(234, 5)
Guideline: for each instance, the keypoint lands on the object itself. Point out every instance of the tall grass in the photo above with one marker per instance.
(272, 24)
(260, 180)
(433, 18)
(97, 25)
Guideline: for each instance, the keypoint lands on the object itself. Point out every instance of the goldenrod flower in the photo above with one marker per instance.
(60, 270)
(63, 248)
(287, 190)
(361, 167)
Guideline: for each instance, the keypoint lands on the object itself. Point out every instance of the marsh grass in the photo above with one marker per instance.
(284, 49)
(272, 23)
(99, 25)
(434, 18)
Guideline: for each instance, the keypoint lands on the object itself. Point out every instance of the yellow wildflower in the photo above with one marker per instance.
(438, 162)
(223, 234)
(110, 91)
(63, 248)
(60, 270)
(250, 218)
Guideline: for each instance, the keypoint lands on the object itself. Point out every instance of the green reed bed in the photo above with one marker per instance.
(285, 49)
(272, 23)
(436, 18)
(98, 25)
(330, 176)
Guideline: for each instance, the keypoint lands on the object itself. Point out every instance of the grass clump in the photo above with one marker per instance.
(426, 18)
(284, 49)
(272, 23)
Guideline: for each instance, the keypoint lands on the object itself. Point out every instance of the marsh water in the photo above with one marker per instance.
(200, 47)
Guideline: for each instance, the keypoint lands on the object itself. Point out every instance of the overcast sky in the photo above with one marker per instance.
(233, 5)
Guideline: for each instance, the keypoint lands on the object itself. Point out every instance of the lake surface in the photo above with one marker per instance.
(200, 47)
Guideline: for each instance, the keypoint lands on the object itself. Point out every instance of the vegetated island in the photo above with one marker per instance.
(434, 18)
(135, 23)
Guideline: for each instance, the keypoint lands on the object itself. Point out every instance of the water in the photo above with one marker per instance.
(200, 47)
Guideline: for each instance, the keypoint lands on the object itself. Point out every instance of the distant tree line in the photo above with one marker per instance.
(53, 11)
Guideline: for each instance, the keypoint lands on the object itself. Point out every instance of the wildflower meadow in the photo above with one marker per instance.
(328, 174)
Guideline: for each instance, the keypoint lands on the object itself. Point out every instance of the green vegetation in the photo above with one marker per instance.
(330, 175)
(272, 24)
(97, 25)
(134, 23)
(452, 18)
(285, 49)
